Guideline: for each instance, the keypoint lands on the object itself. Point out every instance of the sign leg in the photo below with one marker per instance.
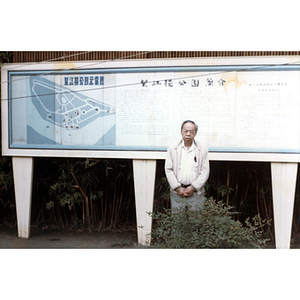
(284, 176)
(144, 180)
(23, 176)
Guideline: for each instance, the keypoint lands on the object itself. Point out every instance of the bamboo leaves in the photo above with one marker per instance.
(100, 190)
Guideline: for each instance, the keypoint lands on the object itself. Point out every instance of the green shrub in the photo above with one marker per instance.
(209, 226)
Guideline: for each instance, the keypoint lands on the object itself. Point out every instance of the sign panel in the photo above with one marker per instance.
(239, 108)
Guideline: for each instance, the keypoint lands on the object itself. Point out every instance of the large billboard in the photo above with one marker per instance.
(241, 106)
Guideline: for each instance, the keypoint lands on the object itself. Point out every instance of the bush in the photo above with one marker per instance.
(209, 226)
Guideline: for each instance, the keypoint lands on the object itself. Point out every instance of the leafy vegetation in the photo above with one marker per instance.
(7, 198)
(5, 57)
(96, 194)
(209, 226)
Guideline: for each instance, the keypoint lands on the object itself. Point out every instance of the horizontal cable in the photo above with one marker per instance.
(232, 69)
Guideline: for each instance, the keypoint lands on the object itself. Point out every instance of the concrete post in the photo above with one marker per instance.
(144, 181)
(23, 177)
(284, 177)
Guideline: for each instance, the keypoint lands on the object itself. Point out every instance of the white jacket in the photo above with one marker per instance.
(172, 164)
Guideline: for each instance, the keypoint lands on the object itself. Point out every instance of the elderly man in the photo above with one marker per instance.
(187, 168)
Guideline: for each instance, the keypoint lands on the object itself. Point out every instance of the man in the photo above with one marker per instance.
(187, 168)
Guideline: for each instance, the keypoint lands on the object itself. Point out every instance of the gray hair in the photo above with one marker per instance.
(189, 121)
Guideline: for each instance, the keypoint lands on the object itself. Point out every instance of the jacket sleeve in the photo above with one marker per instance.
(204, 171)
(169, 169)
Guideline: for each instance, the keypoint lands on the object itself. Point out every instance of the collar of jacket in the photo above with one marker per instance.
(181, 142)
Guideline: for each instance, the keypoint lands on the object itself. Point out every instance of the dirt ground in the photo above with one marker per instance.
(45, 238)
(49, 238)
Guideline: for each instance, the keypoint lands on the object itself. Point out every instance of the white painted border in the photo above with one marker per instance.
(213, 156)
(167, 62)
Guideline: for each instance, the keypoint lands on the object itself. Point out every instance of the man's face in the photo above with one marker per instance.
(188, 132)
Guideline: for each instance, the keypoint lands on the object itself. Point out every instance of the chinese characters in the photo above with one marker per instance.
(84, 80)
(193, 82)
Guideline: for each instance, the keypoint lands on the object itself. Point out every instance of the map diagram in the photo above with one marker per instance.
(64, 107)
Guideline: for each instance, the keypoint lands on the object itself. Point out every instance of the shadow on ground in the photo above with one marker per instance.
(48, 238)
(41, 238)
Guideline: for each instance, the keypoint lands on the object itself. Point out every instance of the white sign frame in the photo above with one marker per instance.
(235, 62)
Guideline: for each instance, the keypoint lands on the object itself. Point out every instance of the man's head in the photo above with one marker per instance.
(188, 132)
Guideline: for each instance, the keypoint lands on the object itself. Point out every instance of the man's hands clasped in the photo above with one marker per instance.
(185, 192)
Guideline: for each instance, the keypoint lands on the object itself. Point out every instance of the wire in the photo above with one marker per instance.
(55, 71)
(52, 59)
(77, 68)
(250, 68)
